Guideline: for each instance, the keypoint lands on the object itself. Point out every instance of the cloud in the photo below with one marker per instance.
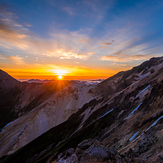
(85, 41)
(14, 35)
(103, 47)
(64, 44)
(10, 36)
(69, 10)
(2, 56)
(72, 55)
(91, 53)
(4, 10)
(16, 59)
(97, 5)
(120, 57)
(107, 43)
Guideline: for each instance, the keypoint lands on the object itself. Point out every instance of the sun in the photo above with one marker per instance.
(60, 77)
(60, 73)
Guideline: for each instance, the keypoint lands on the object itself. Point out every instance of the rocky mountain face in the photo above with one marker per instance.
(30, 109)
(119, 120)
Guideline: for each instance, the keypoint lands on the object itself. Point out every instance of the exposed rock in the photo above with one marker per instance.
(61, 161)
(130, 154)
(72, 159)
(119, 159)
(79, 152)
(7, 82)
(160, 158)
(96, 152)
(85, 144)
(47, 107)
(127, 160)
(69, 152)
(112, 152)
(60, 156)
(146, 142)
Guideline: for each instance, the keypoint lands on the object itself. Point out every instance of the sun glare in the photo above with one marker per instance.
(60, 77)
(60, 73)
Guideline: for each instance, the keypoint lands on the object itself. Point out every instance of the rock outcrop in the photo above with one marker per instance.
(97, 153)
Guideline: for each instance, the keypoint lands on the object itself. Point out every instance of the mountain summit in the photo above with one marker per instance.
(118, 120)
(7, 82)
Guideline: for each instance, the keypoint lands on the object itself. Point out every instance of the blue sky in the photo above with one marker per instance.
(82, 37)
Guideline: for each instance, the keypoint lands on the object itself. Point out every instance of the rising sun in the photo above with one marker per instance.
(60, 77)
(60, 73)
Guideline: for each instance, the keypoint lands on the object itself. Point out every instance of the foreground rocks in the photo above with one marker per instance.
(72, 159)
(92, 151)
(96, 152)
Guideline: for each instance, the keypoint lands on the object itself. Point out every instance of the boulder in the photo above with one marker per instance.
(60, 156)
(119, 159)
(85, 144)
(160, 158)
(95, 152)
(147, 141)
(130, 154)
(111, 152)
(79, 152)
(72, 159)
(69, 152)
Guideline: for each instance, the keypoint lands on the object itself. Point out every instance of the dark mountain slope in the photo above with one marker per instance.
(7, 82)
(17, 99)
(30, 109)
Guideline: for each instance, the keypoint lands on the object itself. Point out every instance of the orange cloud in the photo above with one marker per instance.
(107, 43)
(84, 40)
(12, 37)
(103, 47)
(91, 53)
(2, 56)
(16, 59)
(120, 57)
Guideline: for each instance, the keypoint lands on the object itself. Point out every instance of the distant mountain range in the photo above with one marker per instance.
(118, 120)
(38, 81)
(88, 82)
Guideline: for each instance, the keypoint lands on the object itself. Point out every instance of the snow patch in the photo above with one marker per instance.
(143, 90)
(8, 124)
(107, 113)
(2, 130)
(135, 109)
(138, 137)
(153, 124)
(143, 76)
(133, 136)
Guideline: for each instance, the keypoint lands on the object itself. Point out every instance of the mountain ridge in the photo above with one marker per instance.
(7, 82)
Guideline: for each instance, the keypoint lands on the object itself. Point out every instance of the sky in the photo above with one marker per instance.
(79, 39)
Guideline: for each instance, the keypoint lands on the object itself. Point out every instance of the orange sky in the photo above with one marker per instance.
(77, 73)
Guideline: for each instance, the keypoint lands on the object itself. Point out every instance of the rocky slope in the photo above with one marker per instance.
(29, 110)
(123, 118)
